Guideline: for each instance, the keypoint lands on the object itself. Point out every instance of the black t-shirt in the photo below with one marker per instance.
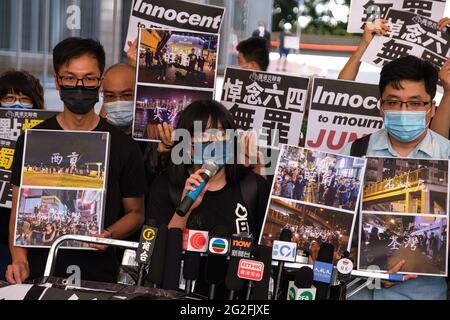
(126, 179)
(225, 207)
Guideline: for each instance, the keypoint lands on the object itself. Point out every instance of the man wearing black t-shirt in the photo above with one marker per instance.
(79, 65)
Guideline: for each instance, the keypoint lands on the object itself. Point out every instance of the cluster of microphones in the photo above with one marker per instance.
(248, 271)
(167, 257)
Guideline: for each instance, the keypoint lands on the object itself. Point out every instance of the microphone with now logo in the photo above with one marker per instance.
(241, 248)
(195, 242)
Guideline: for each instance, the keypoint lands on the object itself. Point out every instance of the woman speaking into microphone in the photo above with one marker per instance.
(234, 198)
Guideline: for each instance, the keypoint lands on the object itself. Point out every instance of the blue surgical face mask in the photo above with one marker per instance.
(16, 105)
(221, 152)
(406, 126)
(120, 113)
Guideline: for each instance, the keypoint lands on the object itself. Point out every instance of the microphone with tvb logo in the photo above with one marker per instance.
(195, 242)
(217, 261)
(283, 250)
(145, 250)
(302, 288)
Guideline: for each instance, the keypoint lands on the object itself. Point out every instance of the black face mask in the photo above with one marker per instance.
(79, 100)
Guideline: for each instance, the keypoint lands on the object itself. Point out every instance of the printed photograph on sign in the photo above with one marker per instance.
(155, 106)
(318, 178)
(45, 215)
(177, 58)
(65, 159)
(341, 112)
(420, 240)
(406, 186)
(271, 104)
(362, 11)
(310, 226)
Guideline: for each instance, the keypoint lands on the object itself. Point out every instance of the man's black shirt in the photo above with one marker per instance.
(126, 179)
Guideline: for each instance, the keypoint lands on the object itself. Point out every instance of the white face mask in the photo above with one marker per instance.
(261, 29)
(120, 113)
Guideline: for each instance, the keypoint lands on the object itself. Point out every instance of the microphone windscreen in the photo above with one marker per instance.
(326, 253)
(152, 223)
(156, 271)
(211, 166)
(216, 269)
(261, 288)
(232, 281)
(191, 266)
(172, 264)
(286, 235)
(304, 278)
(216, 266)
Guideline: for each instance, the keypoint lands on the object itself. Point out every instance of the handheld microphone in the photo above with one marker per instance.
(284, 251)
(172, 263)
(211, 169)
(261, 288)
(323, 270)
(216, 263)
(156, 271)
(145, 250)
(301, 288)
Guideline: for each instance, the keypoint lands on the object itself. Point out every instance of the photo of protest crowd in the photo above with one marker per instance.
(310, 226)
(46, 215)
(419, 240)
(177, 58)
(65, 159)
(406, 186)
(319, 178)
(155, 106)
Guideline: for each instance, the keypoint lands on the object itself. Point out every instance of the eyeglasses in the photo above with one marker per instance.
(12, 99)
(397, 105)
(87, 82)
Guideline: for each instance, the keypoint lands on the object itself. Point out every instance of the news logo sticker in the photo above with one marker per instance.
(219, 246)
(344, 266)
(195, 241)
(323, 272)
(250, 270)
(284, 251)
(241, 246)
(146, 244)
(148, 234)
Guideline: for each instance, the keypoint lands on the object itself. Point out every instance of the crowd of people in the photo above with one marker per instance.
(36, 230)
(325, 188)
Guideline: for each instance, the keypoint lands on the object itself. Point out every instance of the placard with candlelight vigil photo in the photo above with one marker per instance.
(63, 186)
(175, 68)
(316, 195)
(404, 215)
